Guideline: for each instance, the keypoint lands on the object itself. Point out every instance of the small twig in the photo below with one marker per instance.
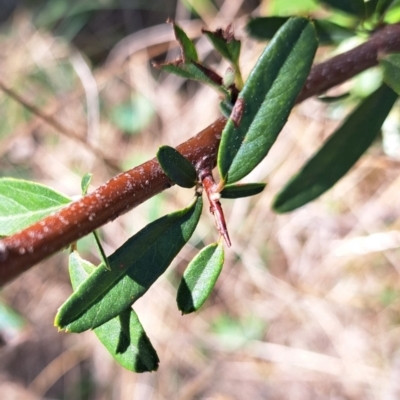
(21, 251)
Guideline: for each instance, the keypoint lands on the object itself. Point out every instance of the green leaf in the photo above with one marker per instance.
(370, 7)
(352, 7)
(264, 28)
(225, 108)
(339, 153)
(136, 265)
(333, 99)
(199, 278)
(391, 71)
(85, 182)
(330, 33)
(194, 71)
(177, 167)
(242, 190)
(188, 65)
(225, 43)
(123, 336)
(267, 99)
(188, 49)
(23, 202)
(383, 6)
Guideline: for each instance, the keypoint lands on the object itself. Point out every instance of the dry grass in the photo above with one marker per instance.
(308, 304)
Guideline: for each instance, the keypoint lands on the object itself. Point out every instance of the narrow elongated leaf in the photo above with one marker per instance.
(188, 48)
(264, 28)
(333, 99)
(135, 266)
(339, 153)
(330, 33)
(352, 7)
(123, 336)
(85, 183)
(371, 7)
(225, 108)
(194, 71)
(177, 167)
(266, 100)
(242, 190)
(383, 6)
(391, 71)
(23, 202)
(188, 65)
(199, 278)
(225, 43)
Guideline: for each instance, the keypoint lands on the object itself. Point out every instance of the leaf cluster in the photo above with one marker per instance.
(256, 111)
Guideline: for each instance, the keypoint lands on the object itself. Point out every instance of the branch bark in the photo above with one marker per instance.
(125, 191)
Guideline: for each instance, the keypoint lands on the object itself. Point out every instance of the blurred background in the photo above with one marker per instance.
(308, 303)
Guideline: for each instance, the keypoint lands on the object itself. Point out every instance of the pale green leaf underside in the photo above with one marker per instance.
(135, 266)
(123, 336)
(268, 96)
(23, 203)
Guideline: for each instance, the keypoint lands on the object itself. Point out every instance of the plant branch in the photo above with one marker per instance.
(21, 251)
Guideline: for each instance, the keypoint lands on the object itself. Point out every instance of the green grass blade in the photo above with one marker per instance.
(339, 153)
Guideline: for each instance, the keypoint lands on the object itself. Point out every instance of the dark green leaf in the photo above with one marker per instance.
(391, 71)
(242, 190)
(353, 7)
(330, 33)
(370, 7)
(199, 278)
(266, 99)
(225, 43)
(188, 48)
(135, 266)
(333, 99)
(225, 108)
(264, 28)
(339, 153)
(177, 167)
(194, 71)
(123, 336)
(23, 202)
(85, 182)
(383, 5)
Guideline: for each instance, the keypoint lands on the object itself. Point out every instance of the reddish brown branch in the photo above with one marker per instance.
(21, 251)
